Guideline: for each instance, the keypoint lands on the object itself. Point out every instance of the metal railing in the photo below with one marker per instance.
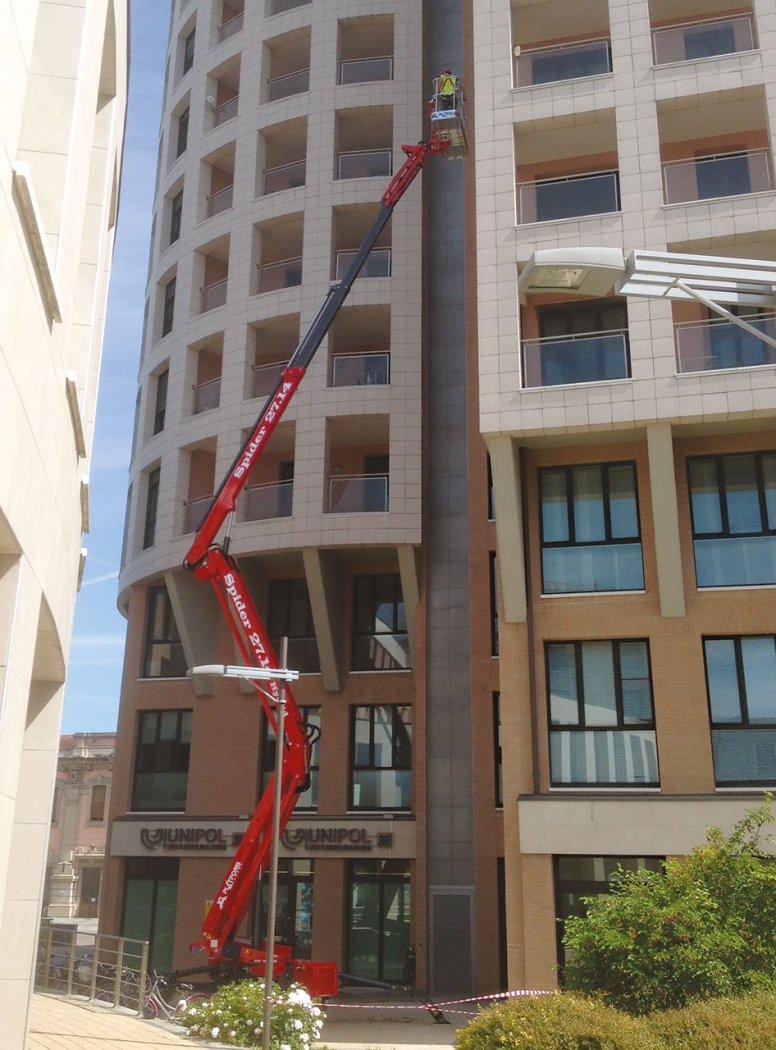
(364, 164)
(720, 175)
(196, 509)
(547, 65)
(220, 200)
(285, 176)
(361, 370)
(358, 494)
(290, 84)
(703, 38)
(207, 395)
(93, 966)
(594, 193)
(593, 357)
(284, 274)
(378, 263)
(226, 110)
(214, 295)
(227, 29)
(703, 346)
(364, 70)
(265, 378)
(273, 499)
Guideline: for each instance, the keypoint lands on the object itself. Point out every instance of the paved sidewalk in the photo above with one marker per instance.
(57, 1023)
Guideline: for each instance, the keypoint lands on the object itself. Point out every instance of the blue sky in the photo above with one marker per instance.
(97, 650)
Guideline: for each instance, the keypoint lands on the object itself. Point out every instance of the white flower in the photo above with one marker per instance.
(305, 1037)
(298, 1025)
(300, 996)
(232, 1034)
(192, 1012)
(316, 1012)
(214, 1031)
(285, 1046)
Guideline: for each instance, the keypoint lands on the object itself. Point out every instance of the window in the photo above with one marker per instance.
(497, 749)
(741, 682)
(578, 343)
(150, 899)
(183, 133)
(378, 919)
(311, 716)
(294, 915)
(493, 604)
(602, 728)
(491, 494)
(97, 804)
(160, 408)
(176, 211)
(290, 615)
(188, 51)
(169, 307)
(590, 529)
(55, 804)
(152, 506)
(163, 656)
(733, 501)
(381, 758)
(162, 761)
(380, 641)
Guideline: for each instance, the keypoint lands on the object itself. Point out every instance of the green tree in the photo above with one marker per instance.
(704, 928)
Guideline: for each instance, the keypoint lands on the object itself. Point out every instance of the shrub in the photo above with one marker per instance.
(235, 1015)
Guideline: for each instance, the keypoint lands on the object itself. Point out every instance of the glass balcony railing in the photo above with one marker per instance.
(604, 756)
(366, 164)
(285, 274)
(265, 378)
(361, 370)
(214, 295)
(591, 358)
(279, 6)
(290, 84)
(196, 509)
(574, 195)
(227, 29)
(207, 395)
(285, 177)
(220, 201)
(378, 263)
(364, 70)
(358, 493)
(275, 499)
(226, 110)
(705, 346)
(546, 65)
(721, 175)
(702, 39)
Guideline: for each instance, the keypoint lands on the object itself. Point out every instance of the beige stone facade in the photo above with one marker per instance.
(61, 128)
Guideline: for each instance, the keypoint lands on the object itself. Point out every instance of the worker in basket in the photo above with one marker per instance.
(447, 88)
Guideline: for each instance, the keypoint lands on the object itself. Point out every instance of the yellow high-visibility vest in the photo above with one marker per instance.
(447, 84)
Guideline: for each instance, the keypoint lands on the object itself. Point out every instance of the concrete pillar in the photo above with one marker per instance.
(505, 471)
(665, 519)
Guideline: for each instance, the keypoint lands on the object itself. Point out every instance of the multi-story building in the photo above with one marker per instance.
(61, 132)
(632, 439)
(363, 531)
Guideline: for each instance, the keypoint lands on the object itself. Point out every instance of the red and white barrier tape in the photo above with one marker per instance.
(439, 1006)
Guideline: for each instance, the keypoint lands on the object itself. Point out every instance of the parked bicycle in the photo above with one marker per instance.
(156, 1000)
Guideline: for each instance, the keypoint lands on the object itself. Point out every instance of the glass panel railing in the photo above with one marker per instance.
(545, 65)
(358, 494)
(285, 177)
(366, 164)
(279, 6)
(275, 499)
(585, 570)
(744, 756)
(593, 358)
(735, 561)
(705, 346)
(381, 652)
(196, 509)
(226, 110)
(234, 25)
(382, 789)
(265, 378)
(363, 70)
(285, 274)
(604, 756)
(290, 84)
(214, 295)
(207, 395)
(550, 199)
(723, 175)
(361, 370)
(378, 263)
(702, 39)
(220, 201)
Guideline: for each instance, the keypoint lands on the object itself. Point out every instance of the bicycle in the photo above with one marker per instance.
(155, 1004)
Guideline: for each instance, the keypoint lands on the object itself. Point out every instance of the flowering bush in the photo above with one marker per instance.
(235, 1015)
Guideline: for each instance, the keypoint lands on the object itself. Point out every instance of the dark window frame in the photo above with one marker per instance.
(382, 874)
(289, 880)
(267, 755)
(160, 406)
(97, 814)
(283, 615)
(396, 766)
(609, 540)
(152, 507)
(148, 757)
(718, 460)
(168, 309)
(170, 635)
(493, 583)
(188, 50)
(176, 214)
(182, 139)
(497, 752)
(398, 617)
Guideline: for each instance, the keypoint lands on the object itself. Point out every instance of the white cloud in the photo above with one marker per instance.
(100, 579)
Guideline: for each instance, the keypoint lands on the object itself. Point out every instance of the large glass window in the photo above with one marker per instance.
(294, 914)
(381, 758)
(176, 213)
(578, 343)
(378, 920)
(497, 758)
(150, 899)
(183, 132)
(380, 641)
(162, 761)
(168, 313)
(152, 507)
(290, 615)
(160, 408)
(493, 604)
(741, 682)
(590, 529)
(602, 727)
(311, 717)
(163, 656)
(733, 501)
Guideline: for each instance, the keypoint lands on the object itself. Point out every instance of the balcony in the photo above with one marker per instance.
(546, 65)
(358, 494)
(378, 263)
(585, 358)
(279, 6)
(220, 201)
(367, 164)
(285, 177)
(196, 509)
(207, 395)
(266, 378)
(214, 295)
(284, 274)
(289, 84)
(230, 27)
(361, 370)
(226, 111)
(702, 39)
(706, 346)
(273, 499)
(366, 70)
(721, 175)
(545, 200)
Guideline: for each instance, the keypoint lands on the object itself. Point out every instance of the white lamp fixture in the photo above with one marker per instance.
(581, 271)
(256, 674)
